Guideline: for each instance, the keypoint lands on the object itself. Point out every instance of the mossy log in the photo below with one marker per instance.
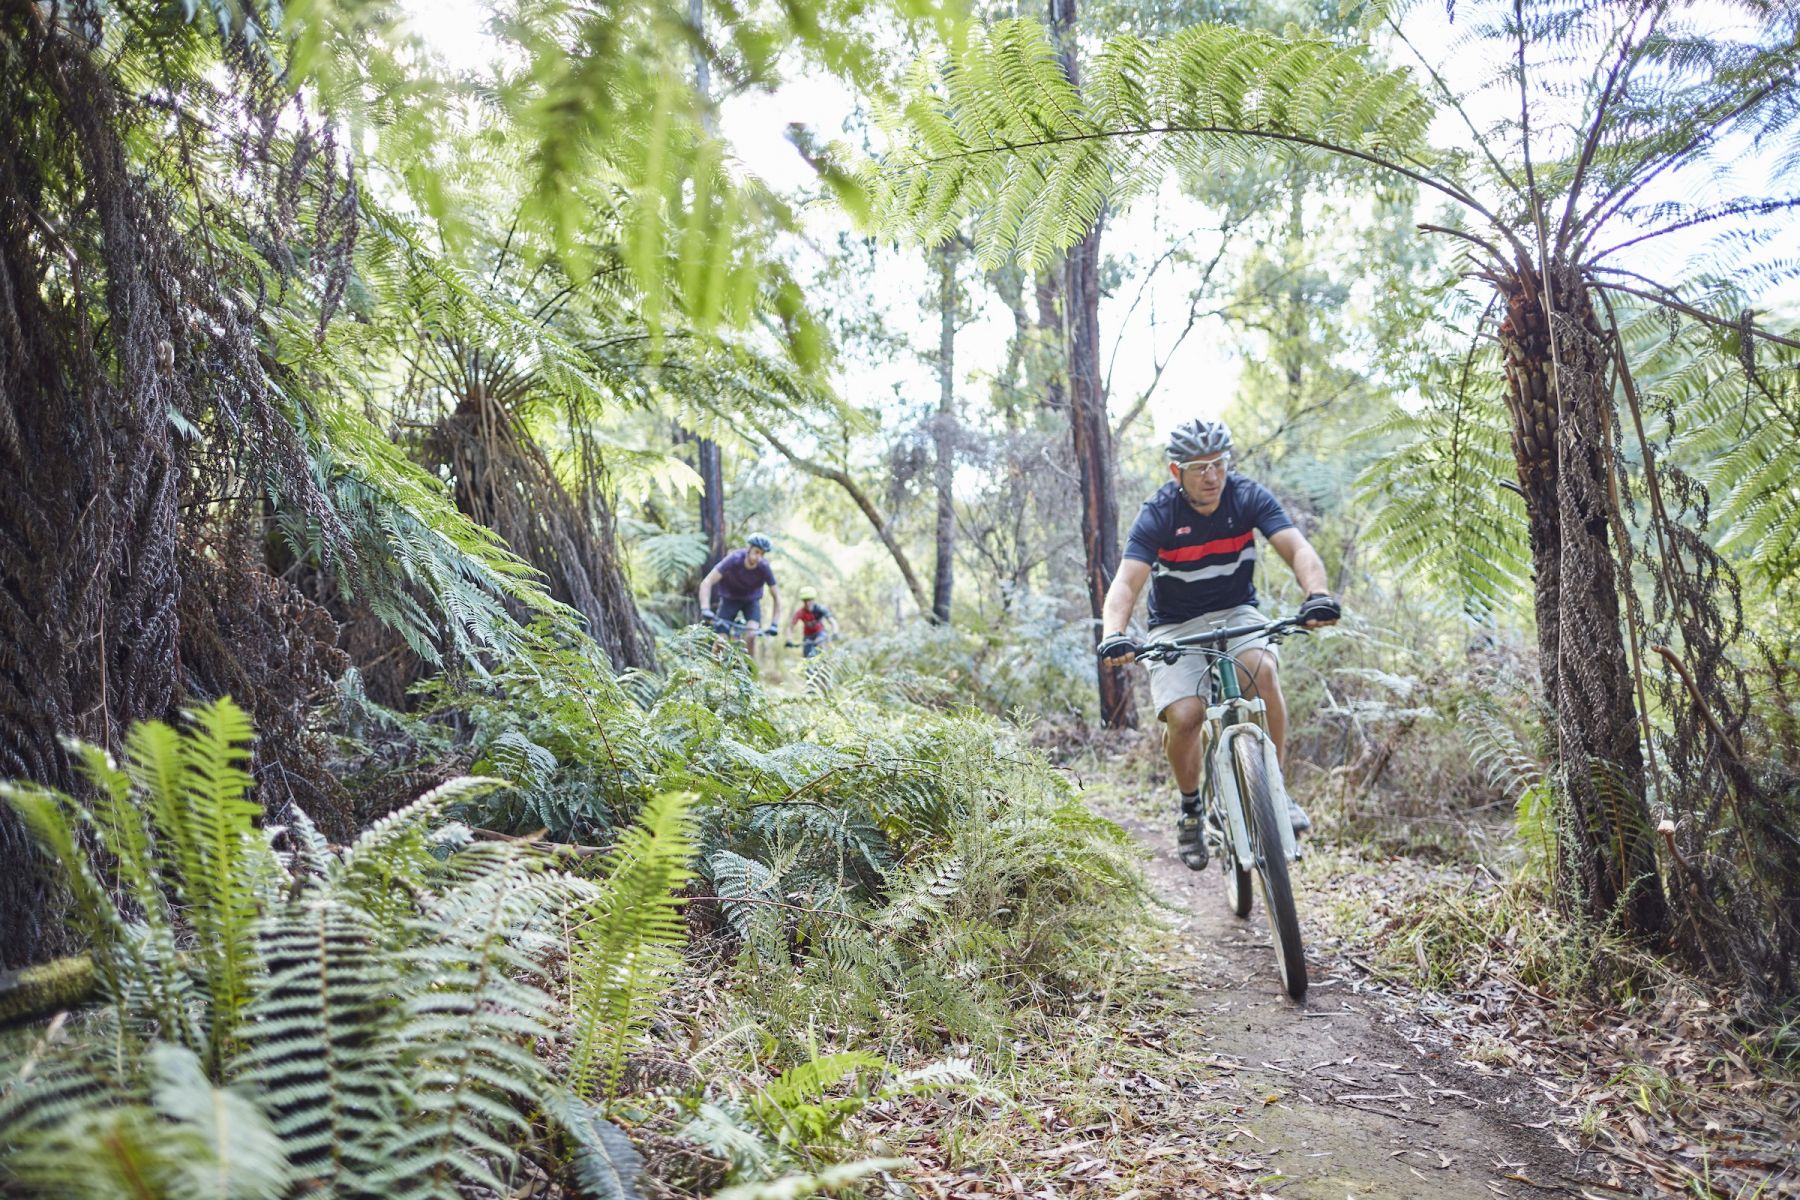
(32, 993)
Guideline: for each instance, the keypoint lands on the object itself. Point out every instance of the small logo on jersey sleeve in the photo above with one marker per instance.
(1184, 531)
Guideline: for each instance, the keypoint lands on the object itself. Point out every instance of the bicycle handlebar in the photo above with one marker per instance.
(739, 628)
(1171, 650)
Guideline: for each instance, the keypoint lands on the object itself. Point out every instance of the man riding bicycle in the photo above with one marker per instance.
(739, 578)
(815, 621)
(1195, 542)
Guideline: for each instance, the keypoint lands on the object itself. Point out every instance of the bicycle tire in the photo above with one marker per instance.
(1237, 880)
(1272, 864)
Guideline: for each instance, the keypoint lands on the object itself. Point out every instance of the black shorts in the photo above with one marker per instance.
(730, 608)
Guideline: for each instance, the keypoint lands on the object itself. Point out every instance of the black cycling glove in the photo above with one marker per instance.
(1116, 646)
(1319, 607)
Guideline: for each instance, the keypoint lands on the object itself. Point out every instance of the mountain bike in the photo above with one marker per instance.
(736, 628)
(1243, 797)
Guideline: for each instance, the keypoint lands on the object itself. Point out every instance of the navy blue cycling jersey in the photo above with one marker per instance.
(1203, 564)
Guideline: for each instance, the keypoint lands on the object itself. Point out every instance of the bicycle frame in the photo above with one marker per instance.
(1229, 715)
(1234, 715)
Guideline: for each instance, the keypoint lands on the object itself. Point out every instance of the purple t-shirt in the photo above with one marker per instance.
(740, 581)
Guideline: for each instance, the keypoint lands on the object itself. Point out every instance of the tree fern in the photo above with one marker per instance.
(1442, 495)
(1001, 131)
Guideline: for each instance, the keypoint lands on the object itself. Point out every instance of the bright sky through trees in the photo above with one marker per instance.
(1202, 374)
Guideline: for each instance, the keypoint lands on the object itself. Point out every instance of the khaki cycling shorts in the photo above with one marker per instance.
(1186, 676)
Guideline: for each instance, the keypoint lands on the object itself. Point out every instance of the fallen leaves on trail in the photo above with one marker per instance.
(1660, 1094)
(1124, 1102)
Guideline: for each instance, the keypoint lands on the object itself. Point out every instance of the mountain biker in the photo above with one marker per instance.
(815, 621)
(739, 578)
(1195, 542)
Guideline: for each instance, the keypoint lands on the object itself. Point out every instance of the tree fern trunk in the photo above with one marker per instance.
(88, 465)
(1606, 841)
(505, 481)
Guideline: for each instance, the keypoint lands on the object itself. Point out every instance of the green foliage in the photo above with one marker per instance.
(1519, 774)
(628, 941)
(1001, 131)
(283, 1015)
(879, 862)
(1031, 661)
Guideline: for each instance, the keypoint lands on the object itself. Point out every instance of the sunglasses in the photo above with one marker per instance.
(1206, 467)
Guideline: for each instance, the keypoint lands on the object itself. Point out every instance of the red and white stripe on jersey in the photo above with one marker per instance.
(1219, 557)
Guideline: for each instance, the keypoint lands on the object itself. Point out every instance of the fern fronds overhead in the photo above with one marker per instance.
(1001, 131)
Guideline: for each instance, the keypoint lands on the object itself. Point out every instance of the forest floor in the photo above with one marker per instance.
(1342, 1095)
(1201, 1078)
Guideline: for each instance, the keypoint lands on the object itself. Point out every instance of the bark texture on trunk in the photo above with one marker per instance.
(1560, 407)
(92, 327)
(1091, 433)
(1089, 429)
(943, 438)
(712, 497)
(504, 481)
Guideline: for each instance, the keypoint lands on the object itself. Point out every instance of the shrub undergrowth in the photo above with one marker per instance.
(454, 1003)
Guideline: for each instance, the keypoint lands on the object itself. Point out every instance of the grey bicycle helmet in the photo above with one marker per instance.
(760, 542)
(1197, 438)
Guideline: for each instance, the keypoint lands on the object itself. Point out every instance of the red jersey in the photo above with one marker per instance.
(811, 618)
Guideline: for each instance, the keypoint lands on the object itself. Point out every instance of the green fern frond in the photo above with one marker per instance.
(605, 1163)
(628, 942)
(1000, 130)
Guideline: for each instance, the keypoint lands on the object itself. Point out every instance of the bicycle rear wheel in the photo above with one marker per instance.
(1272, 863)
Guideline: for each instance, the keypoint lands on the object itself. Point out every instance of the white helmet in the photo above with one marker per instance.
(1193, 439)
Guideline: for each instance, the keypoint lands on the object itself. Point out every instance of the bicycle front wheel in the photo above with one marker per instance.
(1237, 879)
(1271, 862)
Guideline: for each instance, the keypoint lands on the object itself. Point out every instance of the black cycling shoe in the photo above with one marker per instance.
(1190, 841)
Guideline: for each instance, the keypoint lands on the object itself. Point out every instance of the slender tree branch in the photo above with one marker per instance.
(1735, 208)
(1699, 314)
(1143, 287)
(1590, 144)
(842, 478)
(1454, 101)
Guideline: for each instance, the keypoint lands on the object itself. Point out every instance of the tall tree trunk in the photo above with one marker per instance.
(712, 497)
(1607, 844)
(1089, 429)
(706, 451)
(943, 437)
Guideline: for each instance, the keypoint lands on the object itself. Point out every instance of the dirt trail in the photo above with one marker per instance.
(1332, 1094)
